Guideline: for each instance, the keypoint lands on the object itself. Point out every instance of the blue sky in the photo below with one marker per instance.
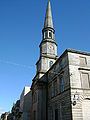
(21, 22)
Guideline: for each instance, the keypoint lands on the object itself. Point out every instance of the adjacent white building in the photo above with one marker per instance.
(25, 103)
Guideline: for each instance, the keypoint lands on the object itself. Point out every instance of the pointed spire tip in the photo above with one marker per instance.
(48, 18)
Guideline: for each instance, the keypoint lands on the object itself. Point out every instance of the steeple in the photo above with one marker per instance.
(48, 32)
(48, 46)
(48, 18)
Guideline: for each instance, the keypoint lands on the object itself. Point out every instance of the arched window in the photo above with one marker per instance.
(46, 34)
(50, 63)
(61, 84)
(35, 97)
(50, 35)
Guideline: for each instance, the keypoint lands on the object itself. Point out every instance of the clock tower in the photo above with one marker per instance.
(48, 46)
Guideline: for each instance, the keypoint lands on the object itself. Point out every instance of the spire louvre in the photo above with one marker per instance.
(48, 18)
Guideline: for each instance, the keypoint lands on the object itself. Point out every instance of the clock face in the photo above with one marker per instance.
(51, 48)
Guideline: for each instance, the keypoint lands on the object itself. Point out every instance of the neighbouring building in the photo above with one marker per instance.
(26, 103)
(15, 112)
(4, 116)
(21, 110)
(10, 116)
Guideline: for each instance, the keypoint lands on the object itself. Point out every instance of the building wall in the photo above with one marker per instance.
(66, 95)
(79, 66)
(59, 100)
(39, 101)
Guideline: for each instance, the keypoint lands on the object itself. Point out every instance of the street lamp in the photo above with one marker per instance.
(75, 98)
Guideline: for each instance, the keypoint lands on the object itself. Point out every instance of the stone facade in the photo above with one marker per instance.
(63, 93)
(59, 102)
(79, 68)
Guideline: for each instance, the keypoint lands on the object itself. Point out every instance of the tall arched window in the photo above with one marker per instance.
(61, 84)
(46, 34)
(50, 35)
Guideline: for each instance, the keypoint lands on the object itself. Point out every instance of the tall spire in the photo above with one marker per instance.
(48, 18)
(48, 46)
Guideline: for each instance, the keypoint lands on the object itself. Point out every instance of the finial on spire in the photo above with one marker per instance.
(48, 18)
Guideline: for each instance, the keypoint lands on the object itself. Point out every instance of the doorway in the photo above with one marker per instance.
(56, 114)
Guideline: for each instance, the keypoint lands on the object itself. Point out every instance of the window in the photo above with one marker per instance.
(83, 61)
(50, 63)
(50, 91)
(61, 84)
(46, 34)
(50, 35)
(35, 97)
(85, 80)
(55, 88)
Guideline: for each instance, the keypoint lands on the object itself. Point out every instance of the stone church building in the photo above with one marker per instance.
(61, 86)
